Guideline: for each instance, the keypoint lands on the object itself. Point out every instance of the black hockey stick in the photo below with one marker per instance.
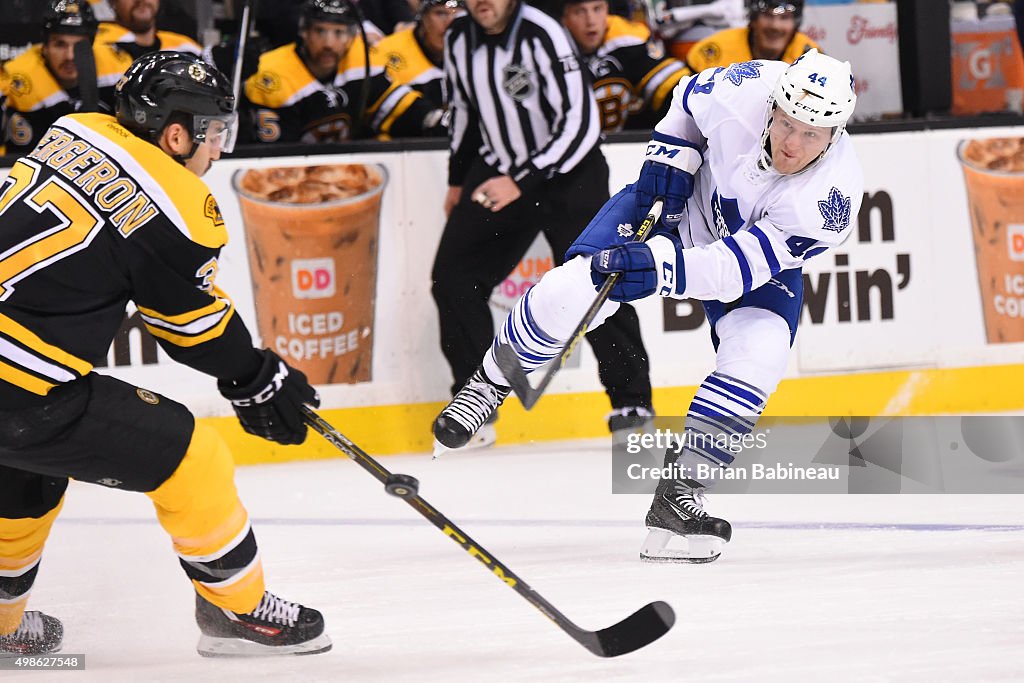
(632, 633)
(364, 88)
(88, 88)
(509, 362)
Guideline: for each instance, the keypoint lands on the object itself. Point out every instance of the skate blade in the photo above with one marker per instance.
(696, 550)
(484, 438)
(439, 449)
(211, 646)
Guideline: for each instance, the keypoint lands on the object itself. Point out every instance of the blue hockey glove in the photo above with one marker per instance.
(667, 172)
(649, 268)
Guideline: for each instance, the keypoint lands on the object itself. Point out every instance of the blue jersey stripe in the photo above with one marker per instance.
(742, 260)
(686, 95)
(766, 247)
(672, 140)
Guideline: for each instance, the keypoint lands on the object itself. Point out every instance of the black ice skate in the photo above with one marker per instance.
(623, 422)
(630, 419)
(678, 511)
(275, 627)
(473, 406)
(37, 634)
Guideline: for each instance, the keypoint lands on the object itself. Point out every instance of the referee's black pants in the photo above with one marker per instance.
(479, 249)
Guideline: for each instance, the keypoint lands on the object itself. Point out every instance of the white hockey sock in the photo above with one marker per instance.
(722, 412)
(542, 321)
(532, 345)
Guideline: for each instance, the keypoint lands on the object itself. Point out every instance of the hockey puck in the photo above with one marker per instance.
(402, 485)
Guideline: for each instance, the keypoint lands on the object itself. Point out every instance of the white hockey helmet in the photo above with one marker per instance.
(817, 90)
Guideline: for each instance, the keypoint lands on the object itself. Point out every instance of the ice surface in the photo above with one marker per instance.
(812, 588)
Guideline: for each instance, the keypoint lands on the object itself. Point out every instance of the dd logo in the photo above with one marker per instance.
(313, 278)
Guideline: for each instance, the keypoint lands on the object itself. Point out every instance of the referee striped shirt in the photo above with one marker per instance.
(519, 99)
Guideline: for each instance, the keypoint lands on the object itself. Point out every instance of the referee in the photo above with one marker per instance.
(524, 158)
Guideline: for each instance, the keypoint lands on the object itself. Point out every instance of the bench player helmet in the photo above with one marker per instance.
(69, 17)
(161, 84)
(817, 90)
(795, 7)
(330, 11)
(448, 4)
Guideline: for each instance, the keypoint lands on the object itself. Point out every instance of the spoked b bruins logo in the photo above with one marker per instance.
(267, 82)
(20, 84)
(395, 61)
(212, 211)
(148, 396)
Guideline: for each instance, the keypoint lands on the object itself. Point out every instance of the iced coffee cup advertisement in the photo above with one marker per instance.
(311, 234)
(994, 176)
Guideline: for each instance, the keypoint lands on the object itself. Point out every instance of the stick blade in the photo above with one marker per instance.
(638, 630)
(516, 376)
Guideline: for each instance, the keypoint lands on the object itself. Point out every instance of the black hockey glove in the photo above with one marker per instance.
(271, 404)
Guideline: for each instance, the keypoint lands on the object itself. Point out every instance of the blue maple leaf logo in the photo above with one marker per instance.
(836, 211)
(737, 72)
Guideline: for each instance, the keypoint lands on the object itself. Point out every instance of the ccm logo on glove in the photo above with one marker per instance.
(276, 382)
(667, 279)
(655, 150)
(270, 403)
(644, 268)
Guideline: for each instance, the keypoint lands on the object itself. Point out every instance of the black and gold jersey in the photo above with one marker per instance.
(95, 217)
(35, 99)
(118, 35)
(288, 104)
(733, 45)
(408, 64)
(631, 74)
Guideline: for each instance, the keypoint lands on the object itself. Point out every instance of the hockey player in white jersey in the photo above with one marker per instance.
(758, 175)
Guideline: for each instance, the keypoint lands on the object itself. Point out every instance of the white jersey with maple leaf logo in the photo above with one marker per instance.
(748, 223)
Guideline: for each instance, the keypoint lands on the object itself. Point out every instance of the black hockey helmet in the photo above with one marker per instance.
(69, 17)
(796, 7)
(330, 11)
(447, 4)
(450, 4)
(160, 84)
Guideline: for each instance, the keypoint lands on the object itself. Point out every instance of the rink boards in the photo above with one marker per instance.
(893, 320)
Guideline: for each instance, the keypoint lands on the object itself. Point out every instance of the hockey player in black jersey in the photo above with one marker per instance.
(103, 212)
(134, 30)
(312, 91)
(415, 56)
(633, 79)
(43, 83)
